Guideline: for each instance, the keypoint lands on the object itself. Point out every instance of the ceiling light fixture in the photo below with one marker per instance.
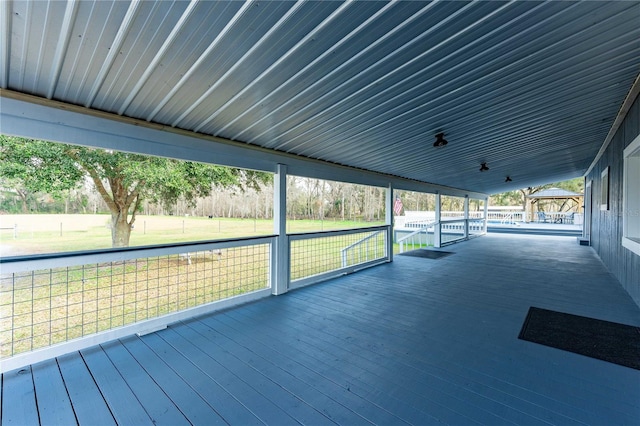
(508, 179)
(440, 141)
(484, 167)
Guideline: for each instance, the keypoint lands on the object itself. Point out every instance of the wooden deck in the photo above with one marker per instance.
(418, 341)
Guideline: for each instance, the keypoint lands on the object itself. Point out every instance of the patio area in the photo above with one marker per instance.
(416, 341)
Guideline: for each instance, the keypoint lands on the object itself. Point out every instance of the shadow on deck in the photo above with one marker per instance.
(417, 341)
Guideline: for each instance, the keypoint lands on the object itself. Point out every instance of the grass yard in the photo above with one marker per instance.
(52, 233)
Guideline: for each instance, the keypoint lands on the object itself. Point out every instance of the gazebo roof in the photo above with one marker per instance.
(555, 193)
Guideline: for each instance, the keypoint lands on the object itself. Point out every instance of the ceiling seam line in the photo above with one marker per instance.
(234, 20)
(159, 55)
(124, 29)
(63, 43)
(238, 63)
(474, 82)
(327, 52)
(406, 64)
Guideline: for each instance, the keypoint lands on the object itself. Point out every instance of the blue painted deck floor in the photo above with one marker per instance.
(418, 341)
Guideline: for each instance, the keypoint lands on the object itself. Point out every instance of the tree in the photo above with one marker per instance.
(123, 180)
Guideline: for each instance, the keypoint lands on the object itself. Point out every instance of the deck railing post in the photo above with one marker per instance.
(486, 214)
(437, 227)
(388, 213)
(280, 253)
(466, 216)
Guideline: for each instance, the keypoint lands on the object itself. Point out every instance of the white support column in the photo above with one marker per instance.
(390, 198)
(438, 228)
(466, 216)
(486, 214)
(280, 252)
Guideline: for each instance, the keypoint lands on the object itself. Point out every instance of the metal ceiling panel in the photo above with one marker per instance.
(531, 88)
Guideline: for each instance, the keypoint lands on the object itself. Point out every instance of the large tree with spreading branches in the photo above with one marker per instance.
(123, 180)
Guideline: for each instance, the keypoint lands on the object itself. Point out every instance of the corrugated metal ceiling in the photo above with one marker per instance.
(530, 88)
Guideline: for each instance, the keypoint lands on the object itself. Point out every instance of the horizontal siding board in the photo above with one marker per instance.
(606, 226)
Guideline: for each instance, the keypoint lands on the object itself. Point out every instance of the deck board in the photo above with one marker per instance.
(87, 400)
(417, 341)
(156, 403)
(124, 405)
(259, 404)
(18, 398)
(193, 405)
(326, 396)
(266, 386)
(231, 410)
(54, 405)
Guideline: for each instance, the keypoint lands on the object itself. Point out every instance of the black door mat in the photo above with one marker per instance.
(429, 254)
(604, 340)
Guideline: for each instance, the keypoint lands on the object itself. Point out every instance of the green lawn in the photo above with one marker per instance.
(60, 233)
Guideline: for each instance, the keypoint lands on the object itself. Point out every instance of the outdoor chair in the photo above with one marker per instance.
(568, 217)
(542, 217)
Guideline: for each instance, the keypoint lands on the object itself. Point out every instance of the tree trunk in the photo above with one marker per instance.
(23, 199)
(120, 230)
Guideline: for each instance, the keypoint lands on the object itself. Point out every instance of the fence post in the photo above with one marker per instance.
(15, 231)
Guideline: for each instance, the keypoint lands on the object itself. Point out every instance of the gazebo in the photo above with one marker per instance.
(570, 201)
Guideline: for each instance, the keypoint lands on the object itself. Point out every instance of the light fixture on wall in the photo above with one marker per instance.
(508, 179)
(440, 141)
(484, 167)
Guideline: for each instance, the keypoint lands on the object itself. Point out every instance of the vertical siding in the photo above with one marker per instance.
(606, 233)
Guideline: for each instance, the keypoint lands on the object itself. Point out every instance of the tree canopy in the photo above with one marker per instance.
(123, 180)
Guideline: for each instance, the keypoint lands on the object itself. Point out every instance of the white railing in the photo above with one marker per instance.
(423, 236)
(505, 217)
(452, 231)
(321, 255)
(52, 304)
(360, 251)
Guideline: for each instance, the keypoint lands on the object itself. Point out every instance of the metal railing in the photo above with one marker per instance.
(320, 255)
(50, 299)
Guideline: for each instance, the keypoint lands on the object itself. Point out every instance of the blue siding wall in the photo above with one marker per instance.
(606, 231)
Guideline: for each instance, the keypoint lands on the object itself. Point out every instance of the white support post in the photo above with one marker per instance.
(389, 221)
(280, 252)
(466, 216)
(486, 215)
(437, 229)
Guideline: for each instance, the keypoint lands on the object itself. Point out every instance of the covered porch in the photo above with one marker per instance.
(416, 341)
